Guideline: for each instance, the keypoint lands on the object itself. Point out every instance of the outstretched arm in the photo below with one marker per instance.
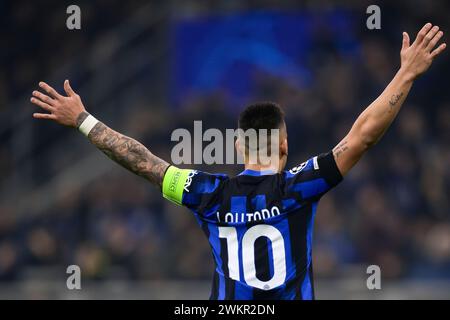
(378, 116)
(129, 153)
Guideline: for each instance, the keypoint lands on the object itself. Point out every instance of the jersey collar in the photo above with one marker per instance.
(249, 172)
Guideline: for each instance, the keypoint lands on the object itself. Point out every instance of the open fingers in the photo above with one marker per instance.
(43, 97)
(429, 36)
(405, 41)
(438, 50)
(41, 104)
(47, 116)
(52, 92)
(68, 89)
(434, 41)
(422, 33)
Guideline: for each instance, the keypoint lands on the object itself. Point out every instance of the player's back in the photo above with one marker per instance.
(259, 226)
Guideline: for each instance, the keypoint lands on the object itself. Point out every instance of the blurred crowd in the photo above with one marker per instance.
(392, 210)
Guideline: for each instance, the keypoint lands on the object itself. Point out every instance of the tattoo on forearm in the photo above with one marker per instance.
(129, 153)
(395, 98)
(340, 149)
(81, 118)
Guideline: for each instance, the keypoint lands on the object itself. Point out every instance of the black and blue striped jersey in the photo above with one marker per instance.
(259, 225)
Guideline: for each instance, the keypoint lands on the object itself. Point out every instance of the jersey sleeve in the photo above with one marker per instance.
(314, 177)
(190, 188)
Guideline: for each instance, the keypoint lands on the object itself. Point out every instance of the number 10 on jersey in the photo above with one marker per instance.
(248, 255)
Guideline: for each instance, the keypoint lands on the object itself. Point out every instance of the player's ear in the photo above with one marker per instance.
(238, 147)
(284, 147)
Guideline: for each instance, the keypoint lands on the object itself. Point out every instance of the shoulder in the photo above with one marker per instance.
(314, 176)
(201, 181)
(307, 166)
(179, 183)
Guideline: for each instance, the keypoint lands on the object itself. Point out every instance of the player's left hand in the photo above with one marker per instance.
(62, 109)
(417, 57)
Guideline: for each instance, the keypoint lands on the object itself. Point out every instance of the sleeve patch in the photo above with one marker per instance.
(298, 168)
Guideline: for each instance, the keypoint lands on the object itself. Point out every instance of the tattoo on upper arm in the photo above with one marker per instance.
(340, 149)
(129, 153)
(394, 99)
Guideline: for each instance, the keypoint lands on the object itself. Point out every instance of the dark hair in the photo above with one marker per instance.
(261, 115)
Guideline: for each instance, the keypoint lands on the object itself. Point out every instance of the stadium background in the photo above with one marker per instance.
(146, 68)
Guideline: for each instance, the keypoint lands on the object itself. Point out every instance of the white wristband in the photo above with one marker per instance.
(87, 125)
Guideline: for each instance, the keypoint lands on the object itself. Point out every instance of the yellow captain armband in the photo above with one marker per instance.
(174, 183)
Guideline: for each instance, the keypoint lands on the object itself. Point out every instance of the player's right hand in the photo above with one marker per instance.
(64, 110)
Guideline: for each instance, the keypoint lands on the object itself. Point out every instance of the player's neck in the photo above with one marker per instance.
(259, 167)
